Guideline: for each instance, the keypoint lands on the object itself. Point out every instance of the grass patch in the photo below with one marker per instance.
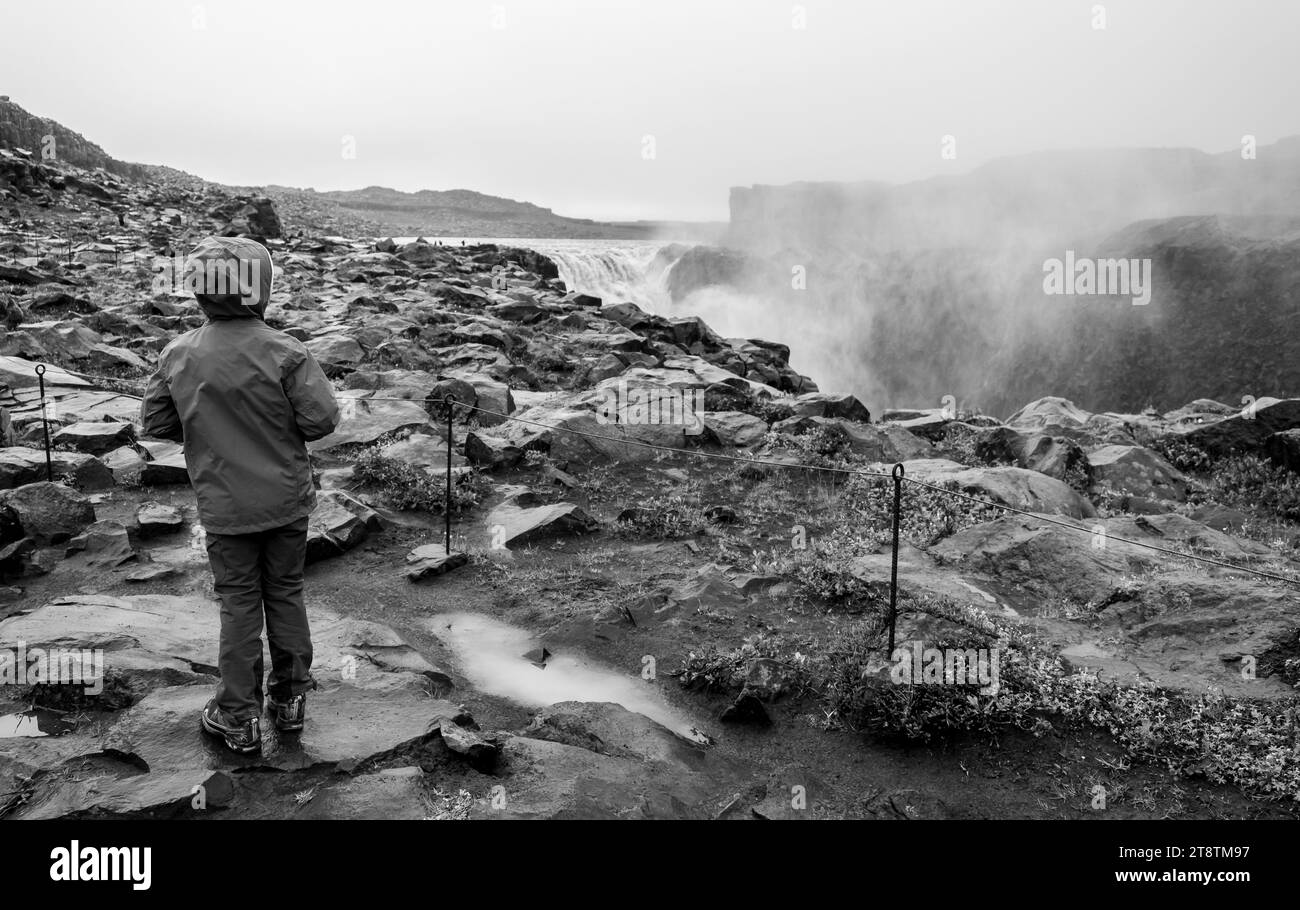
(1253, 744)
(406, 487)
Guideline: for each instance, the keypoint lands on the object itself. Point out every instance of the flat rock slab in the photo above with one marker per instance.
(423, 450)
(105, 545)
(388, 794)
(148, 631)
(376, 695)
(95, 437)
(611, 729)
(90, 405)
(550, 779)
(918, 572)
(165, 794)
(346, 724)
(432, 560)
(523, 524)
(20, 373)
(365, 421)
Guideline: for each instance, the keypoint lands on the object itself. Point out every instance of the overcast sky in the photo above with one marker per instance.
(550, 101)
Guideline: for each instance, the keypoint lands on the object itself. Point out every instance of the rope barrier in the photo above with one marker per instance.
(648, 445)
(1039, 516)
(897, 475)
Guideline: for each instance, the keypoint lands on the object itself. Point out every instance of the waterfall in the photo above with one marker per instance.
(615, 271)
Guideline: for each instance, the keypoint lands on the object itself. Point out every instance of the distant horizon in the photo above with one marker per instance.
(643, 111)
(726, 219)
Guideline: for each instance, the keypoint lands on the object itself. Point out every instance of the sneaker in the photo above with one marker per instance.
(290, 714)
(243, 737)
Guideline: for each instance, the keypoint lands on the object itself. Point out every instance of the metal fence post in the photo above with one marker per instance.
(893, 572)
(447, 532)
(45, 423)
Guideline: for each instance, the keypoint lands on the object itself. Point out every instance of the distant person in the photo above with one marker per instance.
(245, 399)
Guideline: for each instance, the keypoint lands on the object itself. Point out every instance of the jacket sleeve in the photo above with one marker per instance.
(158, 415)
(309, 391)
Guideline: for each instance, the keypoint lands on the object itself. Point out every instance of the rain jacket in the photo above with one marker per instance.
(244, 399)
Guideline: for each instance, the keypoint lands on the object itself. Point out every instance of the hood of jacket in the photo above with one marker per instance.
(231, 277)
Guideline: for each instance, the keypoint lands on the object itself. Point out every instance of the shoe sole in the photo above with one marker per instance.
(218, 732)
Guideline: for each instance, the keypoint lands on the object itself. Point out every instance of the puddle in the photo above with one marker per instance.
(32, 724)
(491, 654)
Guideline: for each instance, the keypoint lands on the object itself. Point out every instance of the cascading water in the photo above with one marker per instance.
(617, 271)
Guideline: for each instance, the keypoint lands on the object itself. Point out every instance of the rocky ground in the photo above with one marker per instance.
(619, 630)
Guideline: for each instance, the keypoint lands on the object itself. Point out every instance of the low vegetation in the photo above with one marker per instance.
(1253, 744)
(408, 487)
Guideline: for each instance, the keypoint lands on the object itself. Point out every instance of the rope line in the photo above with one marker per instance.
(717, 456)
(1039, 516)
(649, 445)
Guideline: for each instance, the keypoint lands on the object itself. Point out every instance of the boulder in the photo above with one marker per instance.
(250, 216)
(480, 751)
(49, 512)
(570, 428)
(20, 465)
(337, 524)
(1248, 431)
(1055, 416)
(885, 444)
(519, 311)
(166, 465)
(880, 443)
(1055, 456)
(1016, 487)
(607, 367)
(822, 404)
(336, 353)
(123, 462)
(735, 428)
(1283, 449)
(932, 425)
(105, 544)
(1135, 471)
(154, 519)
(492, 452)
(491, 395)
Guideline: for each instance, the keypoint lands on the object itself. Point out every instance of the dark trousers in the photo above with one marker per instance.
(258, 574)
